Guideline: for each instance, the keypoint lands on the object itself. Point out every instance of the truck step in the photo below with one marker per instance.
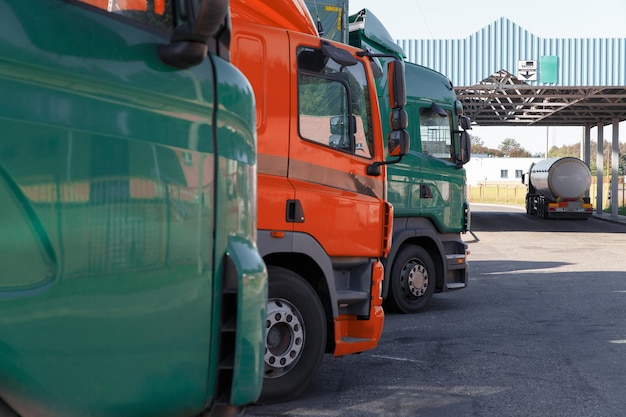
(348, 297)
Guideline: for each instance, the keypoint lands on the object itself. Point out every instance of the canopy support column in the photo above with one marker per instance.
(600, 168)
(615, 168)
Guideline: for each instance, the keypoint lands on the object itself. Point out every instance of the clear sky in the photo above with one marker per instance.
(454, 19)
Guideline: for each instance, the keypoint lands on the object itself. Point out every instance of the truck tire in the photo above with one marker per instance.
(532, 203)
(529, 206)
(296, 336)
(412, 281)
(542, 211)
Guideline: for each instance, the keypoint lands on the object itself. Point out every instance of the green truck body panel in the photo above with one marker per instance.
(447, 183)
(127, 223)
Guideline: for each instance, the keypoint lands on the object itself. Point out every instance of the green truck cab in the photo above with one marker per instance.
(428, 187)
(130, 281)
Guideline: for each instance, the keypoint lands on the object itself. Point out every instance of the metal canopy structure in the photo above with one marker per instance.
(503, 99)
(507, 76)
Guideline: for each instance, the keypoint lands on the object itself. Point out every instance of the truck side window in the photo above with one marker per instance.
(323, 111)
(435, 132)
(332, 104)
(156, 13)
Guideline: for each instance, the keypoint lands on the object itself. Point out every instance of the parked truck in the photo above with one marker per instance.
(558, 188)
(324, 221)
(130, 280)
(428, 188)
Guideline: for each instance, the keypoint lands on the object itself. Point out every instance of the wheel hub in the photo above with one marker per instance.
(416, 278)
(285, 337)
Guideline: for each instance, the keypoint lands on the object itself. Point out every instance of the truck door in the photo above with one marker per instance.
(328, 159)
(270, 81)
(441, 185)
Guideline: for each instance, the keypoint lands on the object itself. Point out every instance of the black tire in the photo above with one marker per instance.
(412, 281)
(543, 209)
(296, 336)
(530, 206)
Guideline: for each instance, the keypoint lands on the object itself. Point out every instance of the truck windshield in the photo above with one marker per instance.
(332, 104)
(435, 132)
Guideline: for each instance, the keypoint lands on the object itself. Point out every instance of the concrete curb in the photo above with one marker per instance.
(610, 218)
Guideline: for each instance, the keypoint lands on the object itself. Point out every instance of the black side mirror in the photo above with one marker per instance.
(465, 151)
(465, 122)
(399, 119)
(189, 43)
(397, 84)
(340, 56)
(398, 142)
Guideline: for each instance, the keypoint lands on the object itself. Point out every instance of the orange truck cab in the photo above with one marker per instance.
(324, 222)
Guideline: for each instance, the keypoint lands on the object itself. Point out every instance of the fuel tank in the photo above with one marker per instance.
(560, 178)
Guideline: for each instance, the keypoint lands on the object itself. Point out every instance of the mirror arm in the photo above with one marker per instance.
(374, 169)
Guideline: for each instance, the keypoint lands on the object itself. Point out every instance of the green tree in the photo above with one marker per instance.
(478, 147)
(565, 150)
(574, 151)
(511, 147)
(476, 141)
(606, 152)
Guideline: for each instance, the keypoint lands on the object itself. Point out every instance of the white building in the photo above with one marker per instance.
(482, 169)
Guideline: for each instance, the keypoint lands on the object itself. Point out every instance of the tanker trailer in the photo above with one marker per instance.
(558, 188)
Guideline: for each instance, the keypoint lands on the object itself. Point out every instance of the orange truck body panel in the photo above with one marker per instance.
(287, 15)
(344, 209)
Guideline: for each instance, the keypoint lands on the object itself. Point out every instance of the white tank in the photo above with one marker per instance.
(561, 178)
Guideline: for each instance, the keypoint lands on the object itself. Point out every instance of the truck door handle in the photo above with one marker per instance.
(425, 191)
(295, 213)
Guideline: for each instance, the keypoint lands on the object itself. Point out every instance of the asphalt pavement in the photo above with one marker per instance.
(539, 331)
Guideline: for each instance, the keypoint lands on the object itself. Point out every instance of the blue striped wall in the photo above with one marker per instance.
(581, 61)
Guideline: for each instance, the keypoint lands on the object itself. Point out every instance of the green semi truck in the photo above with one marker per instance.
(428, 187)
(130, 281)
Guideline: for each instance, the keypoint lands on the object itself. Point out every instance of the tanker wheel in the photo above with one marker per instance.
(530, 206)
(542, 209)
(295, 336)
(413, 281)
